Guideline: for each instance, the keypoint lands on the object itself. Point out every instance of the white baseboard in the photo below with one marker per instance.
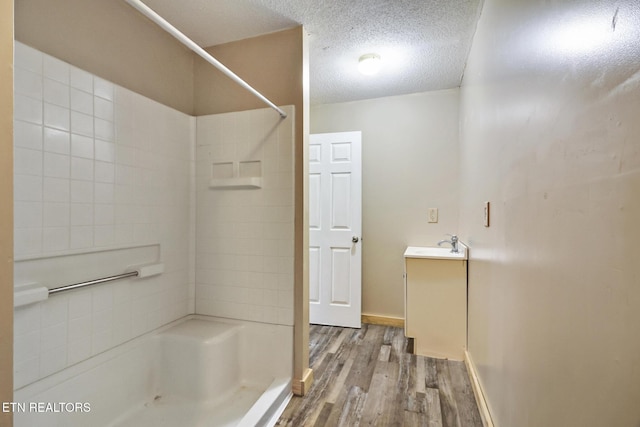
(483, 407)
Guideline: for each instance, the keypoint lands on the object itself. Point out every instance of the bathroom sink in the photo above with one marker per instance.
(436, 252)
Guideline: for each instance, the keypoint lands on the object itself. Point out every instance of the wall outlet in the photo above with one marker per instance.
(486, 213)
(432, 214)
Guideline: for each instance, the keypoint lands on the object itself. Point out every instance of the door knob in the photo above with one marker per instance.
(355, 239)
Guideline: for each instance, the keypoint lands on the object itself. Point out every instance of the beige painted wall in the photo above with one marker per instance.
(410, 163)
(112, 40)
(550, 135)
(272, 64)
(6, 207)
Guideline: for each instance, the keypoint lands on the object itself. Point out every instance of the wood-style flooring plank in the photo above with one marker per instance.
(324, 337)
(417, 419)
(465, 400)
(352, 410)
(433, 408)
(421, 374)
(344, 333)
(366, 358)
(309, 409)
(431, 373)
(380, 408)
(427, 407)
(365, 377)
(366, 344)
(402, 391)
(324, 415)
(338, 385)
(399, 344)
(385, 353)
(448, 405)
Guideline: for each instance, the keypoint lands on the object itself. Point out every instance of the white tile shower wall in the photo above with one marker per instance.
(97, 166)
(244, 244)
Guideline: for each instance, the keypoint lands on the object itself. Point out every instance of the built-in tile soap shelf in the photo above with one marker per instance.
(236, 175)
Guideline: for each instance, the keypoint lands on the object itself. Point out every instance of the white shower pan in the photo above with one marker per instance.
(196, 372)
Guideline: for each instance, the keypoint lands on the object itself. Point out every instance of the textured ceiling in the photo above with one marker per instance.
(423, 43)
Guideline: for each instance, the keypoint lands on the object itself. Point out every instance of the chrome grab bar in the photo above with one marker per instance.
(92, 282)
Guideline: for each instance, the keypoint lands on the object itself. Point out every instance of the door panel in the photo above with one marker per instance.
(315, 214)
(340, 275)
(314, 274)
(335, 226)
(340, 197)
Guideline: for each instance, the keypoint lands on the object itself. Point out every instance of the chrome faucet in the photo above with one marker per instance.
(453, 242)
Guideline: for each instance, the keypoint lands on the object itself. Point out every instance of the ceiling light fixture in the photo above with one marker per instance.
(369, 64)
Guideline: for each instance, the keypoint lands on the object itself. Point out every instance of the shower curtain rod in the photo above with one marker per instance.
(151, 14)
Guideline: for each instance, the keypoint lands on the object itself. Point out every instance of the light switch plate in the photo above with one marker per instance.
(486, 213)
(432, 214)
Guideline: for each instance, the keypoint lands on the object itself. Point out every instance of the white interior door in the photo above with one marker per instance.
(335, 226)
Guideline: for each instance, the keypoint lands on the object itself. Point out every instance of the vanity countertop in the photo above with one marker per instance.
(436, 252)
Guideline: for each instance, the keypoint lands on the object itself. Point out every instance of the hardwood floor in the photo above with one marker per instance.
(366, 377)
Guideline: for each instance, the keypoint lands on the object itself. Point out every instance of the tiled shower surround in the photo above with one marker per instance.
(244, 263)
(100, 167)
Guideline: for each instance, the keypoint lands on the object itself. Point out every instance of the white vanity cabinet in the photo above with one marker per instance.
(436, 301)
